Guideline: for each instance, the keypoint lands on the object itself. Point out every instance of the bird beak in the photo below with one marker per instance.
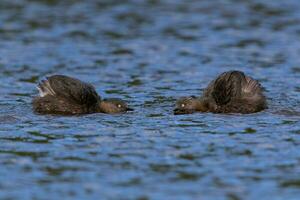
(177, 111)
(129, 109)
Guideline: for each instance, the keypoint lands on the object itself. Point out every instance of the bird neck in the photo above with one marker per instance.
(202, 105)
(102, 107)
(106, 107)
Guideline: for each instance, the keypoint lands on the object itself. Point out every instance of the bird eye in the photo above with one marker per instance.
(119, 105)
(182, 105)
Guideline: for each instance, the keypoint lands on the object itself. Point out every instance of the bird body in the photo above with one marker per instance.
(59, 94)
(230, 92)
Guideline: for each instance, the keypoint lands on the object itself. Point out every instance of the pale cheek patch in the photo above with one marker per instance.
(41, 93)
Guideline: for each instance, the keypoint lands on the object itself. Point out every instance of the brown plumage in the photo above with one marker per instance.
(65, 95)
(231, 92)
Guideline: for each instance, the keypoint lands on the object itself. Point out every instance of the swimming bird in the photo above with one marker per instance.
(230, 92)
(60, 94)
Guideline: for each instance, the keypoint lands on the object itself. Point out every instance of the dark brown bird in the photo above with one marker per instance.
(231, 92)
(65, 95)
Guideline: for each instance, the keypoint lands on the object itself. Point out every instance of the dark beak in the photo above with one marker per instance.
(129, 109)
(178, 111)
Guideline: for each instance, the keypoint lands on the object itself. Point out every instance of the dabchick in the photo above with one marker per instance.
(65, 95)
(231, 92)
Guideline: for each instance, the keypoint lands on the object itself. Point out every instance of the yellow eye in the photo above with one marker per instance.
(119, 105)
(182, 105)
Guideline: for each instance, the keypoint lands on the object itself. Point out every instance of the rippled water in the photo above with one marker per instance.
(149, 53)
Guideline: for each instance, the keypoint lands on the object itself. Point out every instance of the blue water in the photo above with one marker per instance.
(150, 53)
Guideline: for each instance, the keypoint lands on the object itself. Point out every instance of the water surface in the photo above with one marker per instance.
(149, 52)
